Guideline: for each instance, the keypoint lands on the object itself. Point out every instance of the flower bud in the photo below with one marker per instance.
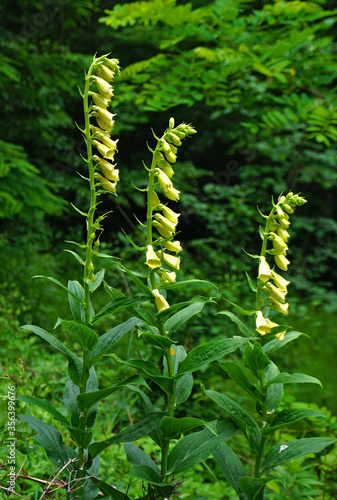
(162, 230)
(169, 213)
(288, 208)
(172, 260)
(167, 224)
(172, 193)
(104, 88)
(284, 223)
(264, 270)
(279, 281)
(155, 199)
(113, 63)
(278, 243)
(105, 151)
(283, 233)
(172, 137)
(275, 292)
(105, 73)
(164, 182)
(282, 262)
(168, 170)
(173, 246)
(161, 302)
(261, 324)
(107, 185)
(167, 277)
(99, 100)
(152, 259)
(171, 157)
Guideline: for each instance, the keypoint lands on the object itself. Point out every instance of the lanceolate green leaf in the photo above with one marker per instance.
(88, 399)
(108, 340)
(136, 456)
(276, 344)
(178, 284)
(238, 375)
(274, 391)
(107, 489)
(118, 305)
(76, 305)
(253, 487)
(45, 405)
(84, 335)
(198, 446)
(149, 369)
(230, 465)
(57, 282)
(178, 319)
(142, 428)
(241, 325)
(292, 449)
(241, 418)
(294, 378)
(75, 364)
(51, 440)
(288, 416)
(137, 281)
(172, 428)
(203, 354)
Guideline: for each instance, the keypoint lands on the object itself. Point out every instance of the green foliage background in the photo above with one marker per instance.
(256, 79)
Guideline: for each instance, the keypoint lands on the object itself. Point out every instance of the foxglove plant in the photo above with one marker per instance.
(259, 376)
(158, 320)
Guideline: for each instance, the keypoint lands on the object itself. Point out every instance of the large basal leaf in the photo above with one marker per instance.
(289, 416)
(204, 354)
(292, 449)
(51, 440)
(241, 418)
(276, 344)
(84, 335)
(108, 340)
(198, 446)
(236, 373)
(294, 378)
(142, 428)
(178, 319)
(75, 364)
(230, 465)
(172, 428)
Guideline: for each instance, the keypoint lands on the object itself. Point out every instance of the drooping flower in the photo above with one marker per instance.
(152, 259)
(261, 323)
(282, 262)
(282, 308)
(173, 246)
(279, 281)
(107, 185)
(264, 270)
(161, 302)
(275, 292)
(172, 260)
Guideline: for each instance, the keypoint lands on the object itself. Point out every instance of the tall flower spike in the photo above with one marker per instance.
(102, 74)
(269, 281)
(160, 216)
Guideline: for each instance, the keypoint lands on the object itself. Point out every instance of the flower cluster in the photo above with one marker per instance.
(273, 283)
(107, 175)
(163, 218)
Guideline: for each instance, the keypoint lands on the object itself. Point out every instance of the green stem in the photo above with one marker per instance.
(263, 254)
(89, 254)
(260, 452)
